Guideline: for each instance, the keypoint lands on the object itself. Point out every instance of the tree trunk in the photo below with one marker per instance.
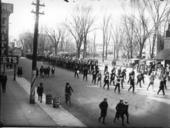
(106, 52)
(78, 52)
(85, 48)
(131, 49)
(103, 52)
(153, 46)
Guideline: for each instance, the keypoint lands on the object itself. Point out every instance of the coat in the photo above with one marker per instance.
(103, 107)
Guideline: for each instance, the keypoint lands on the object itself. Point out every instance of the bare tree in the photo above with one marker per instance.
(55, 36)
(106, 35)
(159, 12)
(118, 39)
(129, 26)
(142, 31)
(88, 22)
(80, 26)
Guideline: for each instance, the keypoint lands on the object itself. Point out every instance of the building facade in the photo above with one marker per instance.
(6, 10)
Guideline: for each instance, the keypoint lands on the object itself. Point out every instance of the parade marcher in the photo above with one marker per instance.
(105, 69)
(164, 80)
(52, 70)
(3, 81)
(161, 87)
(152, 78)
(106, 80)
(139, 80)
(40, 91)
(112, 78)
(94, 75)
(121, 79)
(76, 72)
(103, 110)
(68, 92)
(85, 72)
(117, 85)
(132, 83)
(99, 78)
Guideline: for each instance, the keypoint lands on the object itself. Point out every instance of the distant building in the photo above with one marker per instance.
(6, 10)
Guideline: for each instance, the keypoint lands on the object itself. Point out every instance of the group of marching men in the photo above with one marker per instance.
(118, 76)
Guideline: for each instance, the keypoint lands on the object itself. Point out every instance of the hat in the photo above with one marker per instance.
(126, 103)
(105, 99)
(121, 100)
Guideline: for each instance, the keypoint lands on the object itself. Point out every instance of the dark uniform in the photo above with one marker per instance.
(132, 83)
(117, 85)
(106, 81)
(161, 87)
(103, 107)
(112, 78)
(85, 72)
(76, 72)
(99, 78)
(139, 79)
(94, 75)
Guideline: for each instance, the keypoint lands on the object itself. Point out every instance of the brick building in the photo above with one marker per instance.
(7, 9)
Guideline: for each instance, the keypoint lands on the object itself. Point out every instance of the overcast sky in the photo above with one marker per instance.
(56, 11)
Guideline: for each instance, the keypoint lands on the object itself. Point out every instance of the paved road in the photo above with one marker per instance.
(146, 109)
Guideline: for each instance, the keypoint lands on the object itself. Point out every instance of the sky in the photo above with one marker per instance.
(56, 12)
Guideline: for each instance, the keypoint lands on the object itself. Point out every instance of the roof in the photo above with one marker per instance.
(163, 55)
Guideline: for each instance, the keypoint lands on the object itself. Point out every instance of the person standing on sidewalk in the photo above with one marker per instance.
(40, 91)
(3, 81)
(68, 92)
(103, 110)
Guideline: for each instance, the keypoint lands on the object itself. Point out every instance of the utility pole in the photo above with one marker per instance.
(34, 56)
(1, 123)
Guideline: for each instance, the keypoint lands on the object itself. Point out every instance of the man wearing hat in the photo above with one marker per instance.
(68, 92)
(103, 107)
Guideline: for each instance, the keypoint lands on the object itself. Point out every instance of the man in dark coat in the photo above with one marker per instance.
(121, 110)
(132, 83)
(68, 92)
(40, 91)
(103, 107)
(3, 82)
(106, 80)
(117, 85)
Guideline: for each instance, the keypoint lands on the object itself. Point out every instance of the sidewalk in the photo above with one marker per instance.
(16, 110)
(61, 116)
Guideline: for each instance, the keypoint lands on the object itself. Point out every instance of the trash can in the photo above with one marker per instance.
(56, 102)
(48, 99)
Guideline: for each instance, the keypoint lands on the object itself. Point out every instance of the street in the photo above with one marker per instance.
(144, 110)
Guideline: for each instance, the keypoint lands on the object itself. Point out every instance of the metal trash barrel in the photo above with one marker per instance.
(56, 102)
(48, 99)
